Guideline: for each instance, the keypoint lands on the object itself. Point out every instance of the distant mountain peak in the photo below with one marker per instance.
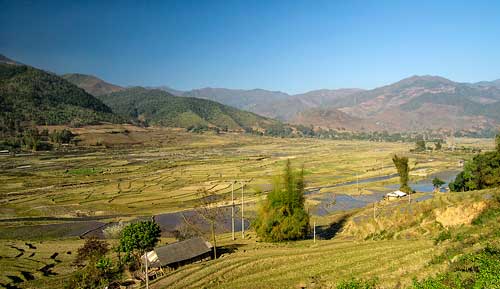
(424, 78)
(92, 84)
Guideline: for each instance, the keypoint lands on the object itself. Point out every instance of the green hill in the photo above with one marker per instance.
(159, 107)
(38, 97)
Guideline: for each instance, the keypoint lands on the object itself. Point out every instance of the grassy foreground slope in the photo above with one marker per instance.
(464, 224)
(318, 265)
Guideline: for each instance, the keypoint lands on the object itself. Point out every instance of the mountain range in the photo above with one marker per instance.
(33, 96)
(415, 103)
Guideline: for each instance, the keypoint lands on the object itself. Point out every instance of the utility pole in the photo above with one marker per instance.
(357, 174)
(147, 277)
(314, 230)
(232, 208)
(357, 181)
(242, 220)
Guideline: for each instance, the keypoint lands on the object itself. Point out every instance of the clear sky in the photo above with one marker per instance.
(292, 46)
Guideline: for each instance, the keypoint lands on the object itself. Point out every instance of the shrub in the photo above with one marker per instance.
(354, 283)
(474, 270)
(444, 235)
(98, 270)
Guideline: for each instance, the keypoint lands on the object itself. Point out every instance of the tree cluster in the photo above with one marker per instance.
(282, 216)
(97, 270)
(482, 172)
(32, 139)
(403, 169)
(420, 145)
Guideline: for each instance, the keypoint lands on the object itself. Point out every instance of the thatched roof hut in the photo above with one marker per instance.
(175, 254)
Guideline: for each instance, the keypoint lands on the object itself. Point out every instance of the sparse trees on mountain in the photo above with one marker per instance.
(403, 169)
(282, 216)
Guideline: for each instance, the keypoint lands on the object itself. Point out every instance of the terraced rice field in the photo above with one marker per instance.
(36, 261)
(319, 265)
(49, 198)
(163, 173)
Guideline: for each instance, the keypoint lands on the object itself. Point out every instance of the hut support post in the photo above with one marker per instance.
(213, 237)
(147, 276)
(242, 220)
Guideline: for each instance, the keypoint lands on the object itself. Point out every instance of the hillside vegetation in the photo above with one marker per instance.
(162, 108)
(483, 171)
(35, 96)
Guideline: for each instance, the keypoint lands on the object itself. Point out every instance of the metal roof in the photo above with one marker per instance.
(179, 251)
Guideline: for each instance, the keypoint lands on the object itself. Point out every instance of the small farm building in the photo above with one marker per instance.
(395, 194)
(180, 253)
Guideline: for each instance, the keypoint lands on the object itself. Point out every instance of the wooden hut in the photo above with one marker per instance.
(180, 253)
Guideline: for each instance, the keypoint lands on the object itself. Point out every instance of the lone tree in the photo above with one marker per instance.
(438, 146)
(437, 183)
(137, 238)
(282, 216)
(92, 250)
(208, 209)
(403, 169)
(420, 145)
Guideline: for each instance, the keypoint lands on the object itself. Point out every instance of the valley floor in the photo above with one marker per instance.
(120, 173)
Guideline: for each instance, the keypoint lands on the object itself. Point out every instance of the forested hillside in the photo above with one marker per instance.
(154, 106)
(30, 95)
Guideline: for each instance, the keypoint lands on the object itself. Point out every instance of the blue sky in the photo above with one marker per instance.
(292, 46)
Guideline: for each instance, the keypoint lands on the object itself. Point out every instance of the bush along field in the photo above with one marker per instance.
(298, 232)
